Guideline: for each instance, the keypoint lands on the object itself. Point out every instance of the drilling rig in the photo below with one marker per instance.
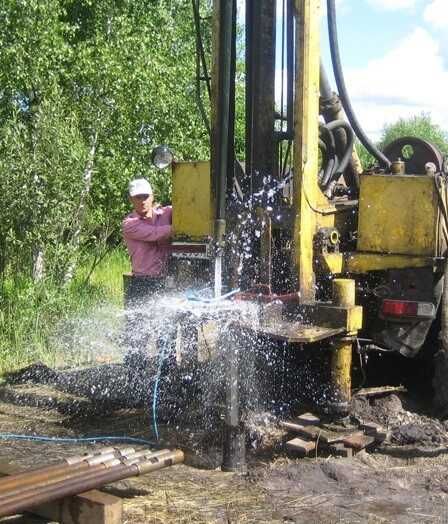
(341, 258)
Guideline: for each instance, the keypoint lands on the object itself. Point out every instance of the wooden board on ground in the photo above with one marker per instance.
(375, 430)
(331, 437)
(301, 446)
(309, 432)
(317, 433)
(308, 419)
(340, 441)
(378, 391)
(340, 450)
(91, 507)
(358, 441)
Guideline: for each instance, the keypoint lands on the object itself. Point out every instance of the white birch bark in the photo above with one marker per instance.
(81, 211)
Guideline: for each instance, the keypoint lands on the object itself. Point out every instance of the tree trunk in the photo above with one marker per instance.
(80, 213)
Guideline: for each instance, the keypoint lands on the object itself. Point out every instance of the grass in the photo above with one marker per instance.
(31, 313)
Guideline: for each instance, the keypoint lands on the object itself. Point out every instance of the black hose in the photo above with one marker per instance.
(329, 156)
(339, 77)
(327, 146)
(338, 124)
(325, 88)
(334, 167)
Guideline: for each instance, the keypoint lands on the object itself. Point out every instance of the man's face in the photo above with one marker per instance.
(142, 204)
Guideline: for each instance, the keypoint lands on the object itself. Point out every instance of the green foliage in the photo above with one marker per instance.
(87, 89)
(31, 312)
(72, 70)
(367, 160)
(420, 126)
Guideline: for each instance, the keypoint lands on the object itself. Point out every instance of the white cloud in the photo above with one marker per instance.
(436, 14)
(408, 80)
(392, 5)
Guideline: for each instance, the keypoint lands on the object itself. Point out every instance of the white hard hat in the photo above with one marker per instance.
(139, 186)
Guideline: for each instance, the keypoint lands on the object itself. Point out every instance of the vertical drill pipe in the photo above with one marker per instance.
(266, 249)
(223, 117)
(114, 474)
(32, 476)
(234, 443)
(260, 90)
(224, 110)
(260, 144)
(290, 66)
(341, 358)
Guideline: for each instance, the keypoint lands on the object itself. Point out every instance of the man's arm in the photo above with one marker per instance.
(136, 228)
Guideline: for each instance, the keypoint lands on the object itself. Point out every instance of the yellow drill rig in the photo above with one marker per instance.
(340, 258)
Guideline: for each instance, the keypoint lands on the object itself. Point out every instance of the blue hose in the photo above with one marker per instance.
(163, 355)
(39, 438)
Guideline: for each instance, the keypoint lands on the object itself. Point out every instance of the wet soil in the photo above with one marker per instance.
(407, 420)
(370, 487)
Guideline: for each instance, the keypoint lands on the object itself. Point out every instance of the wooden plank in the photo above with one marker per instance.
(308, 419)
(375, 430)
(383, 390)
(315, 432)
(91, 507)
(301, 446)
(340, 450)
(358, 441)
(296, 332)
(309, 432)
(331, 437)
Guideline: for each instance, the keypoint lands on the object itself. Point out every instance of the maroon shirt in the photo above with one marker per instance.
(147, 240)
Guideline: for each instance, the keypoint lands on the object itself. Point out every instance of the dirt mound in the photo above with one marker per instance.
(404, 419)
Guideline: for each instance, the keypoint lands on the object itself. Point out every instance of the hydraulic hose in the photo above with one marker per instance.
(325, 88)
(328, 148)
(331, 109)
(338, 124)
(336, 161)
(339, 77)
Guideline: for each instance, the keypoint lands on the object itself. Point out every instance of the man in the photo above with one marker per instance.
(146, 232)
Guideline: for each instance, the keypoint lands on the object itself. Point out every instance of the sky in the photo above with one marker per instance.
(395, 59)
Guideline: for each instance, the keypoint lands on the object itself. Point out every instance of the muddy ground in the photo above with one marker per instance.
(405, 480)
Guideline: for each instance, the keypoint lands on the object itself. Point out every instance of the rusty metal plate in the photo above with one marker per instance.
(416, 153)
(297, 333)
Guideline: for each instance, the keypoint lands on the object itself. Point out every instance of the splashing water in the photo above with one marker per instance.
(218, 276)
(174, 345)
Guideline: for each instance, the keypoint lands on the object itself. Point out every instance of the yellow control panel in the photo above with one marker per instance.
(192, 201)
(398, 214)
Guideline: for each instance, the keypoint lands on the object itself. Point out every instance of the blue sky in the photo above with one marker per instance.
(395, 58)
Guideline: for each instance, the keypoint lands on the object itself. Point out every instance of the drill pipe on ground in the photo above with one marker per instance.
(69, 467)
(47, 485)
(87, 468)
(6, 482)
(116, 471)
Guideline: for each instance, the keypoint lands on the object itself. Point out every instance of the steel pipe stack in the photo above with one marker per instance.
(79, 474)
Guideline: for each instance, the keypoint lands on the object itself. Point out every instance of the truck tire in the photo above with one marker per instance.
(440, 380)
(440, 383)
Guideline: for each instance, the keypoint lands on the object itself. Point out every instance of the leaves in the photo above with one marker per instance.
(69, 69)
